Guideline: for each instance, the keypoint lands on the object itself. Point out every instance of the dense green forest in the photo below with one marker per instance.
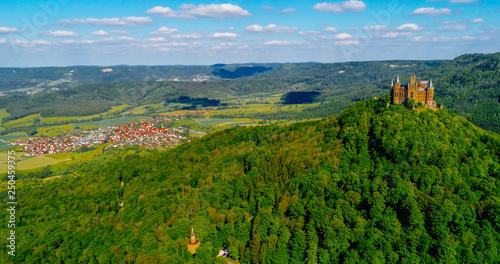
(375, 184)
(470, 85)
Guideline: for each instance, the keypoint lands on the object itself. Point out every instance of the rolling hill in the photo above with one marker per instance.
(375, 184)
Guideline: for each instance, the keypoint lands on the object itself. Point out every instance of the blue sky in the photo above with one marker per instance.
(65, 32)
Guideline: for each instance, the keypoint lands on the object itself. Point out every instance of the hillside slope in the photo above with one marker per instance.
(470, 85)
(376, 184)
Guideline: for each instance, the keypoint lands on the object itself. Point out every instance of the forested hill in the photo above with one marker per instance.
(376, 184)
(470, 85)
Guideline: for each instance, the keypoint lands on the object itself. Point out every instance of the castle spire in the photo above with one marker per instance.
(397, 79)
(392, 82)
(430, 84)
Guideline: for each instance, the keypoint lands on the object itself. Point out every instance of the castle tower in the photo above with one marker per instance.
(429, 102)
(396, 92)
(193, 243)
(413, 80)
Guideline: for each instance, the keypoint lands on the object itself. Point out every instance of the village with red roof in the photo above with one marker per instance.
(144, 133)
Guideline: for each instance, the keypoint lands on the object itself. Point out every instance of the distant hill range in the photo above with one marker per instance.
(468, 85)
(65, 77)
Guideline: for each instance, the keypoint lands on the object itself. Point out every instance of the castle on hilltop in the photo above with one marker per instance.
(423, 91)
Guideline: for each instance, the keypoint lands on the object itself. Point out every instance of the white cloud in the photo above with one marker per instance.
(350, 6)
(137, 20)
(447, 38)
(164, 31)
(331, 30)
(282, 43)
(159, 39)
(467, 37)
(395, 34)
(190, 11)
(227, 46)
(26, 44)
(79, 41)
(58, 34)
(347, 42)
(375, 28)
(5, 30)
(288, 10)
(225, 35)
(99, 33)
(462, 1)
(40, 42)
(343, 36)
(126, 21)
(409, 27)
(478, 20)
(162, 11)
(178, 44)
(187, 36)
(431, 11)
(119, 32)
(454, 26)
(119, 39)
(271, 28)
(309, 33)
(277, 43)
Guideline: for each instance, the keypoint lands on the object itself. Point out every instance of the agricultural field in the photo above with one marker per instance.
(213, 121)
(12, 137)
(30, 163)
(144, 109)
(4, 146)
(244, 110)
(7, 139)
(25, 121)
(55, 130)
(111, 122)
(50, 120)
(223, 123)
(3, 113)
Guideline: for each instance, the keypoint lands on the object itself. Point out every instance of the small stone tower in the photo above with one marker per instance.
(193, 243)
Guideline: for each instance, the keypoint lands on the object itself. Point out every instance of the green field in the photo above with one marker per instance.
(4, 113)
(49, 120)
(213, 121)
(6, 146)
(55, 130)
(25, 121)
(143, 109)
(33, 163)
(114, 121)
(7, 139)
(13, 137)
(240, 124)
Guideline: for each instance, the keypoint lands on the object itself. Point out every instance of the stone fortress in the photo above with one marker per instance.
(421, 91)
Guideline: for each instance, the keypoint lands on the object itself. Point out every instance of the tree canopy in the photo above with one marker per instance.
(375, 184)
